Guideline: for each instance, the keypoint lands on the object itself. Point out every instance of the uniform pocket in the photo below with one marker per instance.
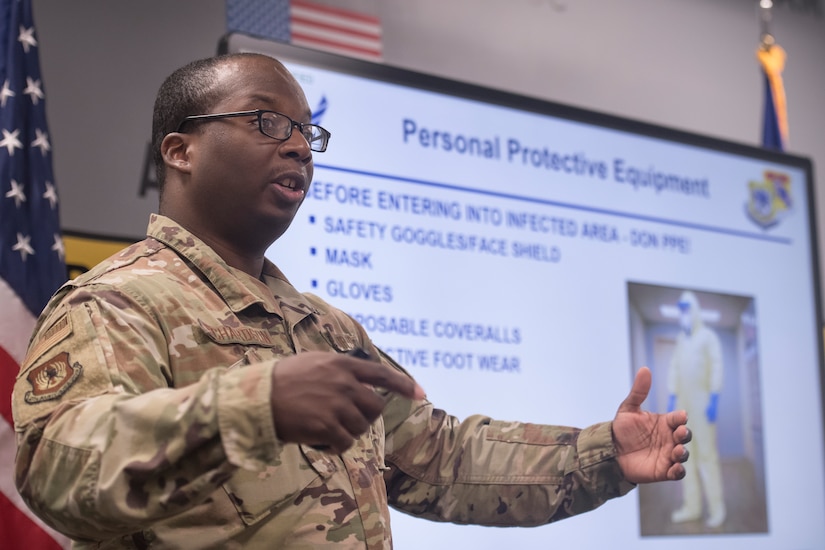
(256, 495)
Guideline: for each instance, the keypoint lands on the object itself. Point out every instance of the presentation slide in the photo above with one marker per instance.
(524, 264)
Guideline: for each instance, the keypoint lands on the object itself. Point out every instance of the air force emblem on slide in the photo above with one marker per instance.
(770, 199)
(52, 379)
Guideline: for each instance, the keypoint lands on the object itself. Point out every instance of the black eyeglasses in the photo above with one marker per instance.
(275, 125)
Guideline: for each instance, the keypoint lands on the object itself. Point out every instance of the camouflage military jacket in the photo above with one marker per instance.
(143, 421)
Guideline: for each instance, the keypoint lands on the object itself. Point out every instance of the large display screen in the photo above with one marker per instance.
(523, 259)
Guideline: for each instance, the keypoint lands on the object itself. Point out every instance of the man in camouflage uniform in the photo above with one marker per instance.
(183, 394)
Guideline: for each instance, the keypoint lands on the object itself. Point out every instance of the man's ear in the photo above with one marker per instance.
(175, 152)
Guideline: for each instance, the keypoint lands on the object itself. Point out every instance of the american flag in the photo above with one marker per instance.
(31, 248)
(309, 24)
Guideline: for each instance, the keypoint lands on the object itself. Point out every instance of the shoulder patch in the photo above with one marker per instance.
(59, 330)
(52, 379)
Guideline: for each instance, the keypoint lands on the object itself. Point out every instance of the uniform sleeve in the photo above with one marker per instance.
(105, 445)
(488, 472)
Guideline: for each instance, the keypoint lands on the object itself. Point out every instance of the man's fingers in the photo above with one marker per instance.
(357, 421)
(382, 376)
(676, 419)
(367, 404)
(338, 440)
(327, 400)
(638, 393)
(679, 454)
(676, 472)
(682, 434)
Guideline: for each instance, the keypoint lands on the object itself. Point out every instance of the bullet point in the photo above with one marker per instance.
(314, 283)
(312, 219)
(312, 251)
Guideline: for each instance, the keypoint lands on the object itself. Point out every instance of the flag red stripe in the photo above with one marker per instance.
(22, 532)
(338, 45)
(334, 28)
(8, 373)
(337, 12)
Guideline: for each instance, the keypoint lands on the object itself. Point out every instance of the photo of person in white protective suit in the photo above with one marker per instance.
(705, 357)
(694, 384)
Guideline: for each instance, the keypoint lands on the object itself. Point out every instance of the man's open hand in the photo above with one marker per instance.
(650, 447)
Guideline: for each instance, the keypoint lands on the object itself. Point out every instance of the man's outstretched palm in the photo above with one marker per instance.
(650, 447)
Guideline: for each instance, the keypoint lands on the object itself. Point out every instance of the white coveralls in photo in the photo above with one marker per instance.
(694, 382)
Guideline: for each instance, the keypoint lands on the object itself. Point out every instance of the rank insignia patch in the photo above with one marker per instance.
(52, 379)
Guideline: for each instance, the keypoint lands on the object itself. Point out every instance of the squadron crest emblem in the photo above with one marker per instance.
(52, 379)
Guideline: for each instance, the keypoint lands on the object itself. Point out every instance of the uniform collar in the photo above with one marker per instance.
(238, 289)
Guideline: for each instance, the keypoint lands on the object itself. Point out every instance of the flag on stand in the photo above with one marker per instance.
(308, 24)
(31, 248)
(775, 118)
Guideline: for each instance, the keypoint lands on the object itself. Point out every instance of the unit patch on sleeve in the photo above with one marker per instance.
(52, 379)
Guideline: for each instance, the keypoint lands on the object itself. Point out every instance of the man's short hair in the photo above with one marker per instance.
(190, 90)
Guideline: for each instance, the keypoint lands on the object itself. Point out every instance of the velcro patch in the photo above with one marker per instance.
(52, 379)
(59, 331)
(223, 334)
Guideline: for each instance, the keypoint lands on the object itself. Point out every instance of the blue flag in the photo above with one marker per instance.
(771, 136)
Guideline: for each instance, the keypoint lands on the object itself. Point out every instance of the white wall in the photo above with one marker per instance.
(102, 63)
(687, 64)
